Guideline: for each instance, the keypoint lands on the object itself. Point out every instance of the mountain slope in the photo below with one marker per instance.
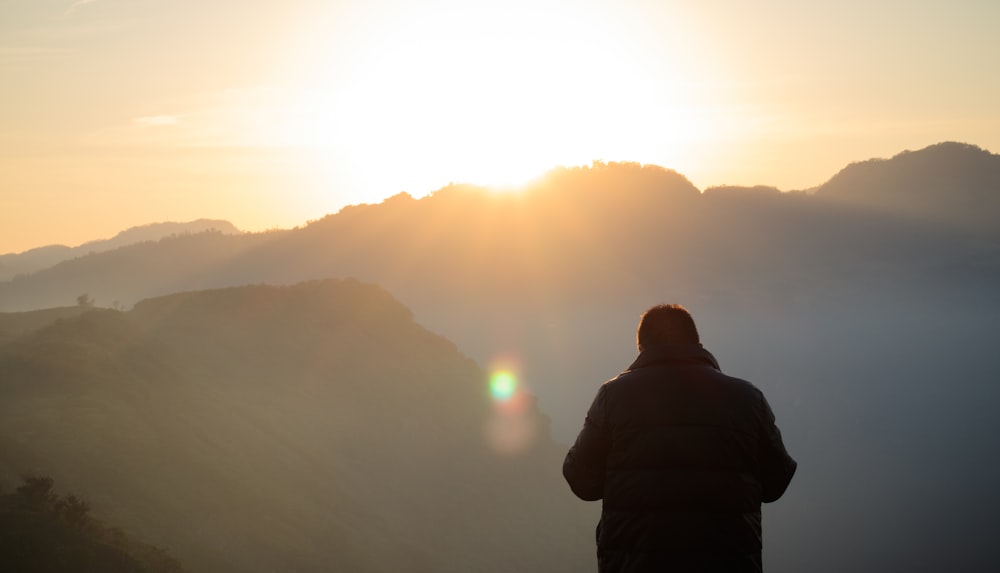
(309, 428)
(15, 324)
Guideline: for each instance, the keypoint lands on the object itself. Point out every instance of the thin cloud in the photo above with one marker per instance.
(21, 56)
(76, 5)
(156, 120)
(250, 117)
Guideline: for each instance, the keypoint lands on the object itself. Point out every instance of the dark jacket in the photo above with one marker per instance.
(682, 455)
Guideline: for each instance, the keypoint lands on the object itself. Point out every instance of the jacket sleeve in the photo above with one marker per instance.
(777, 467)
(586, 462)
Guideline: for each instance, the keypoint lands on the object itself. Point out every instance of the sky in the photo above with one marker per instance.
(117, 113)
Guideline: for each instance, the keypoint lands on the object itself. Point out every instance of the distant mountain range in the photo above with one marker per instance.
(607, 229)
(13, 264)
(314, 427)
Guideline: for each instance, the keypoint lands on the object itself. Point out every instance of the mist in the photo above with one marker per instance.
(863, 309)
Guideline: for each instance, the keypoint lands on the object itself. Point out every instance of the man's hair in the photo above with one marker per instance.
(667, 324)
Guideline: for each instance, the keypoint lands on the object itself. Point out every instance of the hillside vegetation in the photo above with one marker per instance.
(47, 533)
(314, 427)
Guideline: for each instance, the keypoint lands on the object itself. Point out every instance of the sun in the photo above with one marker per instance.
(450, 92)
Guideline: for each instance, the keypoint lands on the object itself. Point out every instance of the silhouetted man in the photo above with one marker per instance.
(682, 455)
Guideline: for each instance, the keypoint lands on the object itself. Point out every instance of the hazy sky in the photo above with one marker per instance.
(115, 113)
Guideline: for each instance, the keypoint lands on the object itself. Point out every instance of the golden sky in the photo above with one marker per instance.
(116, 113)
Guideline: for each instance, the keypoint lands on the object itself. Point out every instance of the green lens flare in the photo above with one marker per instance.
(502, 385)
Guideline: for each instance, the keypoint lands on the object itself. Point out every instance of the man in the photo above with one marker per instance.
(682, 455)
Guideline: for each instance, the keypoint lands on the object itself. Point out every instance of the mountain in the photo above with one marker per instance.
(603, 231)
(866, 318)
(953, 183)
(14, 264)
(313, 427)
(157, 231)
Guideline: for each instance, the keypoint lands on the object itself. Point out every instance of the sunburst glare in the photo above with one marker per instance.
(452, 92)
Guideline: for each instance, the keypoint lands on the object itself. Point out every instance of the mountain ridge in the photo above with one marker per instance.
(26, 262)
(957, 183)
(948, 156)
(528, 244)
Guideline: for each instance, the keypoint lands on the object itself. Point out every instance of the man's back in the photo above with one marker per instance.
(682, 456)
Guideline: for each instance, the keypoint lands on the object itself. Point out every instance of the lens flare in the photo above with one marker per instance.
(510, 434)
(502, 385)
(512, 427)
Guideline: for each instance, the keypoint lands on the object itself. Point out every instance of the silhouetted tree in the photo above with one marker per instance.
(73, 511)
(36, 492)
(42, 532)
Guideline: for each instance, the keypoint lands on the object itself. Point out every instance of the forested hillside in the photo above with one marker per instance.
(315, 427)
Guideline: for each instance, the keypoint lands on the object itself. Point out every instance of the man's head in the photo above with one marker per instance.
(666, 324)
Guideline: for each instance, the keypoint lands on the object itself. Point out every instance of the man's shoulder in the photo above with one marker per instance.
(744, 387)
(738, 382)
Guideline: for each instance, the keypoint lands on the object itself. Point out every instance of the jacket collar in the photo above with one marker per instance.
(663, 353)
